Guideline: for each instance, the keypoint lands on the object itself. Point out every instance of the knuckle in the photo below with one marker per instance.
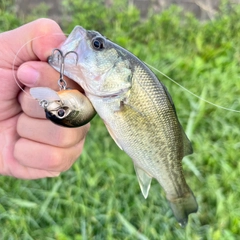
(45, 23)
(69, 137)
(53, 174)
(64, 138)
(55, 161)
(60, 160)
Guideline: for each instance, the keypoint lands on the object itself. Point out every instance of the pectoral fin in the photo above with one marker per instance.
(144, 180)
(113, 136)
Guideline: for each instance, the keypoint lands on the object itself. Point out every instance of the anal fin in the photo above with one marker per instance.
(144, 180)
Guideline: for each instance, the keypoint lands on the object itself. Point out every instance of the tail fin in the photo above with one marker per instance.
(182, 207)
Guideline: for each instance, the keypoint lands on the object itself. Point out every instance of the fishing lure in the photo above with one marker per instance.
(67, 107)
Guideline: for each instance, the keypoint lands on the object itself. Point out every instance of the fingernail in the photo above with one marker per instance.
(28, 75)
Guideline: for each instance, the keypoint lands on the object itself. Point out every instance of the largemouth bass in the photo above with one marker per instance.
(137, 110)
(67, 108)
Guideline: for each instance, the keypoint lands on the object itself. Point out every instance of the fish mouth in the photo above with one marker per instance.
(67, 53)
(67, 57)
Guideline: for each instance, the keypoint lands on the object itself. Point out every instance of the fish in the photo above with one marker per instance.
(67, 108)
(137, 111)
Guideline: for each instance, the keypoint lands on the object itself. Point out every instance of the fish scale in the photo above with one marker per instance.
(138, 112)
(150, 121)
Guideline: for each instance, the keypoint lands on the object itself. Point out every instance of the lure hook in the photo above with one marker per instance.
(61, 82)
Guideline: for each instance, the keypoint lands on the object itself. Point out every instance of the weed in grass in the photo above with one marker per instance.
(99, 197)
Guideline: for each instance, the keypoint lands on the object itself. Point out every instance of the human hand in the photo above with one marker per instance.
(31, 146)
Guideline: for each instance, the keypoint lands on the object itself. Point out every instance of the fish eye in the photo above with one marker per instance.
(98, 43)
(61, 112)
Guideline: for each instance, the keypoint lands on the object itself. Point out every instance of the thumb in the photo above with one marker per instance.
(32, 41)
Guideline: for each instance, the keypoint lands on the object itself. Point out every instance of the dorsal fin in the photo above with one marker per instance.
(187, 146)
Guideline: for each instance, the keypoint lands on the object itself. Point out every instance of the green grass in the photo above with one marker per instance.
(99, 197)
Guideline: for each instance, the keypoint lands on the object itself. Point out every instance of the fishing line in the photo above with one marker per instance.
(190, 92)
(185, 89)
(15, 59)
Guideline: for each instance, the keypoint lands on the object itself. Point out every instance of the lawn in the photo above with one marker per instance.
(99, 197)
